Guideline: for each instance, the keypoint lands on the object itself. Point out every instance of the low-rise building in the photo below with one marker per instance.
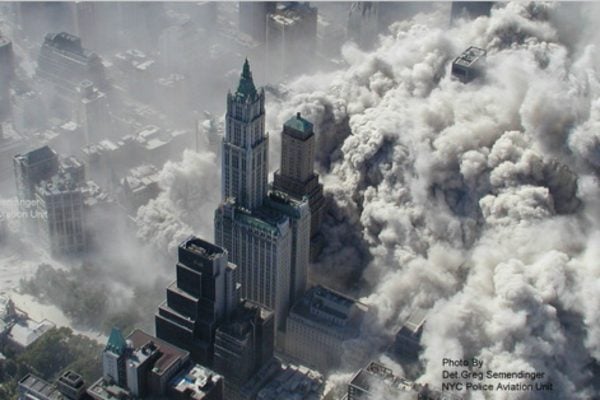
(145, 367)
(196, 383)
(469, 65)
(377, 382)
(33, 388)
(138, 187)
(319, 325)
(25, 332)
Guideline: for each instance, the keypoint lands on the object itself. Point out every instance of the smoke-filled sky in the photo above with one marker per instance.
(476, 201)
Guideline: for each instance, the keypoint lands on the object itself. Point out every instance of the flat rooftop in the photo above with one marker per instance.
(102, 390)
(27, 332)
(170, 353)
(202, 247)
(416, 320)
(376, 374)
(197, 380)
(293, 382)
(41, 388)
(470, 56)
(330, 310)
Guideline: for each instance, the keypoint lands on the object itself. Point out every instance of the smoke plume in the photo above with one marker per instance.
(476, 201)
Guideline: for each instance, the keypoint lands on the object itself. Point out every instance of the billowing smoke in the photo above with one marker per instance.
(477, 201)
(185, 205)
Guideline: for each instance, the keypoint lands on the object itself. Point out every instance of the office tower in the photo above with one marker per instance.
(86, 23)
(407, 345)
(28, 111)
(296, 175)
(267, 236)
(6, 74)
(113, 358)
(245, 147)
(243, 345)
(253, 18)
(363, 24)
(52, 197)
(63, 62)
(203, 295)
(203, 314)
(93, 113)
(291, 39)
(60, 214)
(30, 169)
(319, 326)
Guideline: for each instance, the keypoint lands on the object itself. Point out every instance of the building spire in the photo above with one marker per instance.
(246, 86)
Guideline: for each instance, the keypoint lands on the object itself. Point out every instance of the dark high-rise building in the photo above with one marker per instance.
(253, 18)
(243, 345)
(31, 168)
(407, 345)
(63, 62)
(204, 315)
(296, 175)
(267, 235)
(203, 295)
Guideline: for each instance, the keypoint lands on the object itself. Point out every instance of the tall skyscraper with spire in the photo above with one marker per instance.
(267, 234)
(246, 147)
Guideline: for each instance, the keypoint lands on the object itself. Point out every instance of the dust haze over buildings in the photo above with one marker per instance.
(435, 184)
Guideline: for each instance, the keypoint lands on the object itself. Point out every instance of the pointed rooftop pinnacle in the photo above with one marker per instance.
(116, 342)
(246, 86)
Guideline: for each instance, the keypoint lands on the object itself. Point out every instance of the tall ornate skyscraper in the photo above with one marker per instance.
(296, 175)
(267, 235)
(245, 147)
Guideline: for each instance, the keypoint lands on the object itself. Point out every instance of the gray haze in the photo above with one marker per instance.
(478, 201)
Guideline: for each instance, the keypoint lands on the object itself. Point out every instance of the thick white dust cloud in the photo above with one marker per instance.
(186, 204)
(476, 201)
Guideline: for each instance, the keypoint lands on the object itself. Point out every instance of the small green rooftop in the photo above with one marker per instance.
(300, 125)
(246, 88)
(116, 342)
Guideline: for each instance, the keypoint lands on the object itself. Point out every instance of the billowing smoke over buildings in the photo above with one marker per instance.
(185, 204)
(477, 201)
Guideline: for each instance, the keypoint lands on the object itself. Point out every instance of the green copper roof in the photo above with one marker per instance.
(116, 342)
(246, 86)
(299, 124)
